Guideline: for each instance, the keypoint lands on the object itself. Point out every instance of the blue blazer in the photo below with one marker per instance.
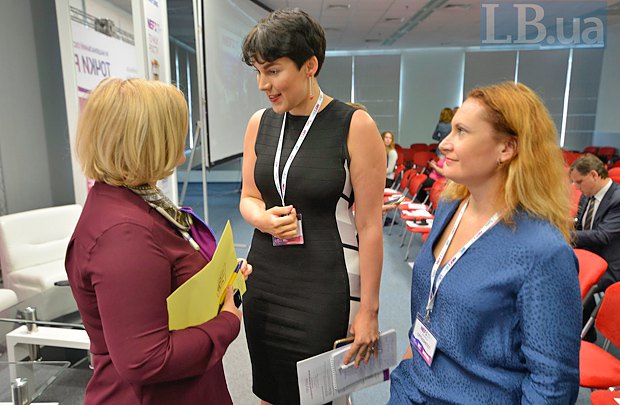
(604, 237)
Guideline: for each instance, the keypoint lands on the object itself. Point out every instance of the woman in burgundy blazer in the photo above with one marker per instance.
(131, 249)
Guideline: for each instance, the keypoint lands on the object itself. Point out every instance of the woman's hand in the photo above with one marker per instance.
(246, 269)
(229, 303)
(280, 222)
(365, 329)
(388, 207)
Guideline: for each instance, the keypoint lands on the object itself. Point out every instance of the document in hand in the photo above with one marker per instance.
(198, 299)
(324, 377)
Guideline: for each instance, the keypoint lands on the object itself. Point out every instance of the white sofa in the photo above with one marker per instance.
(33, 246)
(8, 298)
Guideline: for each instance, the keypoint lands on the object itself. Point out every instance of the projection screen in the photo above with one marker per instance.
(232, 95)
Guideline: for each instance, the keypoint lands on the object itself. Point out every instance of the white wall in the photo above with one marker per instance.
(22, 132)
(607, 126)
(431, 79)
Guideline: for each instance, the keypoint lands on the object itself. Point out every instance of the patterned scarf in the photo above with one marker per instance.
(156, 199)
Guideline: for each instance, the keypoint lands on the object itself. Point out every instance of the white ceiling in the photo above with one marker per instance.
(367, 24)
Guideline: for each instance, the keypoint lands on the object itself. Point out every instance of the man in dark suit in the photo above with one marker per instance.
(597, 226)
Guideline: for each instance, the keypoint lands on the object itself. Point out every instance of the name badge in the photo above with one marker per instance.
(298, 239)
(423, 341)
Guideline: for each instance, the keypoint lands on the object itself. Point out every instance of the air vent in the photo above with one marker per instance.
(394, 19)
(368, 41)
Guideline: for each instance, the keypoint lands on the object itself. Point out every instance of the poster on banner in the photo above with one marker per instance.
(98, 56)
(154, 39)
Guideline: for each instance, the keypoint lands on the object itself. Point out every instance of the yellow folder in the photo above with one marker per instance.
(198, 299)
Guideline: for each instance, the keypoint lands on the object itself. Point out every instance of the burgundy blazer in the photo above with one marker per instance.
(123, 260)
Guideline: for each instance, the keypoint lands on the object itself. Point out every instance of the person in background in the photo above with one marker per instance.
(435, 174)
(132, 247)
(392, 156)
(495, 301)
(443, 127)
(597, 228)
(315, 262)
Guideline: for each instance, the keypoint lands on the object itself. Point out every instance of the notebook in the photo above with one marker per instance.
(346, 375)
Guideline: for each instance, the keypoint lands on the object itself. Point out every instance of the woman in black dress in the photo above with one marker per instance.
(315, 264)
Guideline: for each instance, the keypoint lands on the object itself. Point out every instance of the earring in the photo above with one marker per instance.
(499, 162)
(310, 85)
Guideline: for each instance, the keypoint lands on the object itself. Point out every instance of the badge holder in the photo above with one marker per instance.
(423, 341)
(298, 239)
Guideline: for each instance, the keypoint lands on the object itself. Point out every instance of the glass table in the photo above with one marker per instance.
(34, 378)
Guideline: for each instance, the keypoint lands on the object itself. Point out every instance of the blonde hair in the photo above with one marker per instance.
(535, 179)
(391, 146)
(446, 115)
(132, 132)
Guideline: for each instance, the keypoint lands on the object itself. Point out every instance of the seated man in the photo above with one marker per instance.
(597, 226)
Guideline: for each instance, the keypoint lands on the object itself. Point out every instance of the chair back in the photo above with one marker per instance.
(614, 174)
(591, 149)
(420, 159)
(418, 147)
(435, 193)
(31, 240)
(606, 152)
(415, 183)
(608, 318)
(591, 269)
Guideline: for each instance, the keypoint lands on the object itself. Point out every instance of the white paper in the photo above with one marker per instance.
(316, 382)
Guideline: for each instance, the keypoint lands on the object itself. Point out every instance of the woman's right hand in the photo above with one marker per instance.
(280, 222)
(229, 303)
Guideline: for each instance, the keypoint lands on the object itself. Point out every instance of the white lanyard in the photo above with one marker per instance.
(281, 185)
(448, 266)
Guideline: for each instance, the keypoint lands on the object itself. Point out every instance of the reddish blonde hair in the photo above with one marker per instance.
(535, 179)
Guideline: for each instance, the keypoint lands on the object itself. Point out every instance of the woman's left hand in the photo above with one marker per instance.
(365, 329)
(246, 269)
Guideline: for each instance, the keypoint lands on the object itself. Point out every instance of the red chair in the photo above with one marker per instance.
(591, 149)
(605, 397)
(432, 147)
(414, 228)
(591, 269)
(414, 186)
(597, 367)
(606, 152)
(614, 174)
(418, 147)
(420, 160)
(570, 157)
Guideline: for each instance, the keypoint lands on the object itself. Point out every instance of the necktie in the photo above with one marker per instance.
(589, 214)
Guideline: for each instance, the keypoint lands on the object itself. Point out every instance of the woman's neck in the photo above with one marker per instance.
(486, 200)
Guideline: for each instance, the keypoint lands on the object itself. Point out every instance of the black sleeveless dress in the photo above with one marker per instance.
(298, 297)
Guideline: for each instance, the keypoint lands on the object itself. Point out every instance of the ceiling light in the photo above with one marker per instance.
(339, 7)
(457, 6)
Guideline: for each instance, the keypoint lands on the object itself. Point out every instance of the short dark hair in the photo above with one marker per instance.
(288, 33)
(588, 162)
